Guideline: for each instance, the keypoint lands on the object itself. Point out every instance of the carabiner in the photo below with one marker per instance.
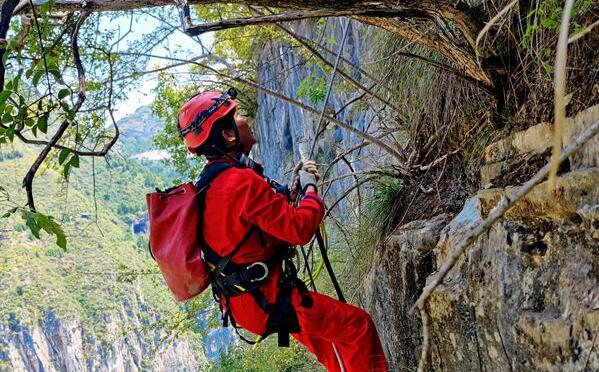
(263, 265)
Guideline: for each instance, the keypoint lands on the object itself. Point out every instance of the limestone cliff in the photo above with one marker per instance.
(55, 344)
(525, 297)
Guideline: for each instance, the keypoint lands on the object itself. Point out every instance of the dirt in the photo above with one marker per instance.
(440, 190)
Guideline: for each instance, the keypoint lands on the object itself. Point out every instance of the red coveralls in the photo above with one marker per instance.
(238, 199)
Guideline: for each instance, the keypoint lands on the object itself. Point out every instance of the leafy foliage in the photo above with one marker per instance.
(543, 24)
(166, 106)
(267, 357)
(313, 87)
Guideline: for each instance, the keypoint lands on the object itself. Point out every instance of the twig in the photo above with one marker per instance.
(342, 155)
(507, 357)
(397, 155)
(345, 75)
(498, 211)
(490, 24)
(582, 33)
(424, 351)
(42, 48)
(561, 60)
(591, 351)
(437, 161)
(347, 192)
(28, 180)
(329, 88)
(286, 17)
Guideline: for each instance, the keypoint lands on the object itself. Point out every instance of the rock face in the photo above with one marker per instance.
(399, 271)
(286, 133)
(64, 345)
(525, 296)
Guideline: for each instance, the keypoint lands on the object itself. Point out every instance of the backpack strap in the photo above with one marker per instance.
(282, 317)
(209, 173)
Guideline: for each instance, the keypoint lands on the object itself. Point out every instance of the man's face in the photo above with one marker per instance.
(246, 135)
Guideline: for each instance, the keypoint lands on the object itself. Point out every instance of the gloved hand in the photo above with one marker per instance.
(310, 166)
(308, 175)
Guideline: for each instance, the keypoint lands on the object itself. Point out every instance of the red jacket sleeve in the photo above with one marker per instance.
(273, 214)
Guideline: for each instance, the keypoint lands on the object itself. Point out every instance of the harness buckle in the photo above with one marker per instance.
(264, 267)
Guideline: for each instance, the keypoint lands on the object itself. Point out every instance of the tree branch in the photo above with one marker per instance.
(291, 15)
(28, 180)
(397, 155)
(346, 76)
(7, 9)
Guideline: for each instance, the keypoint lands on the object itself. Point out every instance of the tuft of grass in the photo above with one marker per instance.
(384, 207)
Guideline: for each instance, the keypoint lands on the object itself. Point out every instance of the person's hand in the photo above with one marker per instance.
(310, 166)
(309, 176)
(307, 179)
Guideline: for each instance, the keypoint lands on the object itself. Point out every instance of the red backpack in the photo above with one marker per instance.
(175, 234)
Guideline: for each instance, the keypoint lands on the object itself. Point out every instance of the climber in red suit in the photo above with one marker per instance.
(343, 337)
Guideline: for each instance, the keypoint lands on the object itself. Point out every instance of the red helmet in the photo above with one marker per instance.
(198, 115)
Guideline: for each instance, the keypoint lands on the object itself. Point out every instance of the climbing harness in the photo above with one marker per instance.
(230, 280)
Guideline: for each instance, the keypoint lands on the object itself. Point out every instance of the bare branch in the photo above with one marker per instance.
(424, 351)
(287, 16)
(346, 76)
(582, 33)
(397, 155)
(347, 192)
(561, 61)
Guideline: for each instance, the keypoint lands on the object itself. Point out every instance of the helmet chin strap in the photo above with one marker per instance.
(243, 161)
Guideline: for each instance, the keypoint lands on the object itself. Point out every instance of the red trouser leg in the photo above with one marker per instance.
(350, 328)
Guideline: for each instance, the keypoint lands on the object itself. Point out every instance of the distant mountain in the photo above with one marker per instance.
(142, 122)
(137, 132)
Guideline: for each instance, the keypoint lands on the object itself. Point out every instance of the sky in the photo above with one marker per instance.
(143, 94)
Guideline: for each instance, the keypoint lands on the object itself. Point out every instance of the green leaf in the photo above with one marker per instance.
(56, 73)
(62, 156)
(42, 123)
(65, 170)
(3, 97)
(61, 239)
(64, 93)
(9, 212)
(45, 223)
(38, 221)
(65, 107)
(37, 76)
(15, 82)
(10, 133)
(31, 222)
(74, 161)
(6, 118)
